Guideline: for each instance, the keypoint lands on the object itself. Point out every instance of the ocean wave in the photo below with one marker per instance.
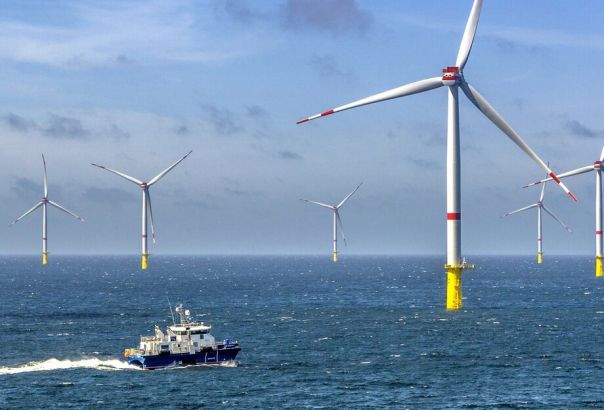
(56, 364)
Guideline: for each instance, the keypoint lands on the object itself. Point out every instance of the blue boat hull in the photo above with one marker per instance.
(184, 359)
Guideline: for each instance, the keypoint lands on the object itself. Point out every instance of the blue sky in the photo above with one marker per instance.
(135, 85)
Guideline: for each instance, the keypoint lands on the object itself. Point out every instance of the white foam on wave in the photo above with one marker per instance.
(56, 364)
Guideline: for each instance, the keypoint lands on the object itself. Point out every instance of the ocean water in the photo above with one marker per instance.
(365, 332)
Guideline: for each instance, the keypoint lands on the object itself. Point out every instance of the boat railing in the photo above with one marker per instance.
(150, 339)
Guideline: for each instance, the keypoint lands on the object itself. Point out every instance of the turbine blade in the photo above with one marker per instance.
(65, 210)
(36, 206)
(45, 177)
(409, 89)
(341, 226)
(556, 218)
(150, 214)
(577, 171)
(468, 36)
(602, 155)
(487, 109)
(318, 203)
(165, 171)
(128, 177)
(520, 210)
(348, 196)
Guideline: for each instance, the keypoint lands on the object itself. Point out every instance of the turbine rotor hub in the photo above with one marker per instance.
(143, 185)
(451, 76)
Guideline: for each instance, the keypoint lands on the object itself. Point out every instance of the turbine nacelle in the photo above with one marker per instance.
(451, 76)
(598, 165)
(143, 185)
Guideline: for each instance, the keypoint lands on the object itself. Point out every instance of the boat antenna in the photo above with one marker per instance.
(171, 312)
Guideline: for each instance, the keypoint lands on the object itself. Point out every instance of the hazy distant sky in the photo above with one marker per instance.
(135, 85)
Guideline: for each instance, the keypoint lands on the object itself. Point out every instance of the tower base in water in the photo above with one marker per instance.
(454, 272)
(539, 257)
(44, 258)
(335, 256)
(144, 262)
(599, 266)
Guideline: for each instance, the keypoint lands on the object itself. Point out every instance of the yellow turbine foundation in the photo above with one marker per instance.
(454, 297)
(144, 262)
(539, 257)
(335, 256)
(599, 266)
(454, 288)
(44, 258)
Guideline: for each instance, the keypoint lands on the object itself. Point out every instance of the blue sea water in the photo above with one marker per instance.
(365, 332)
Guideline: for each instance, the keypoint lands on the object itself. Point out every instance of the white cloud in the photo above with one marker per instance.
(114, 33)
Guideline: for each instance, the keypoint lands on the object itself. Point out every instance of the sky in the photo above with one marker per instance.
(136, 85)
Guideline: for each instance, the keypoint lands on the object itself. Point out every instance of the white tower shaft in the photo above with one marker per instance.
(44, 234)
(599, 223)
(454, 261)
(335, 236)
(145, 252)
(539, 235)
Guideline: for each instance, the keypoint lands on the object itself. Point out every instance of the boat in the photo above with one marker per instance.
(185, 343)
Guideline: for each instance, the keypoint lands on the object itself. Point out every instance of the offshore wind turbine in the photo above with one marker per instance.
(336, 219)
(597, 167)
(147, 211)
(44, 202)
(540, 207)
(454, 79)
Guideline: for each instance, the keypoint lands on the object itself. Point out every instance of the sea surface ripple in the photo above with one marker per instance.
(365, 332)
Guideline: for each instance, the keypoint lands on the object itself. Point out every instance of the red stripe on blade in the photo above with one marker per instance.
(572, 196)
(323, 114)
(301, 121)
(454, 216)
(554, 177)
(598, 232)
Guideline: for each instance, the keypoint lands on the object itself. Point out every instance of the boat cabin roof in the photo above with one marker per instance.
(190, 327)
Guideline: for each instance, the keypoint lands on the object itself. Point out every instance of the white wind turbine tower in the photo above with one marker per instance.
(44, 202)
(336, 219)
(146, 203)
(540, 207)
(453, 78)
(597, 167)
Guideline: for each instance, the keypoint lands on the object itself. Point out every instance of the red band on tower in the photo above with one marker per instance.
(454, 216)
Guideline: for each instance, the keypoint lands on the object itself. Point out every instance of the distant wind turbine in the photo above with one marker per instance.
(336, 219)
(597, 167)
(540, 207)
(453, 78)
(146, 203)
(44, 204)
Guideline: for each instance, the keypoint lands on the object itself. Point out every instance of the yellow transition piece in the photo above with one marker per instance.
(454, 288)
(144, 262)
(599, 266)
(335, 256)
(539, 257)
(44, 258)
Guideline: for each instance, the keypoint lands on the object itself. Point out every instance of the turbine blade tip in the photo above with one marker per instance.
(302, 121)
(572, 196)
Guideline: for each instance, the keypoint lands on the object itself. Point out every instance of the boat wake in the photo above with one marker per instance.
(56, 364)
